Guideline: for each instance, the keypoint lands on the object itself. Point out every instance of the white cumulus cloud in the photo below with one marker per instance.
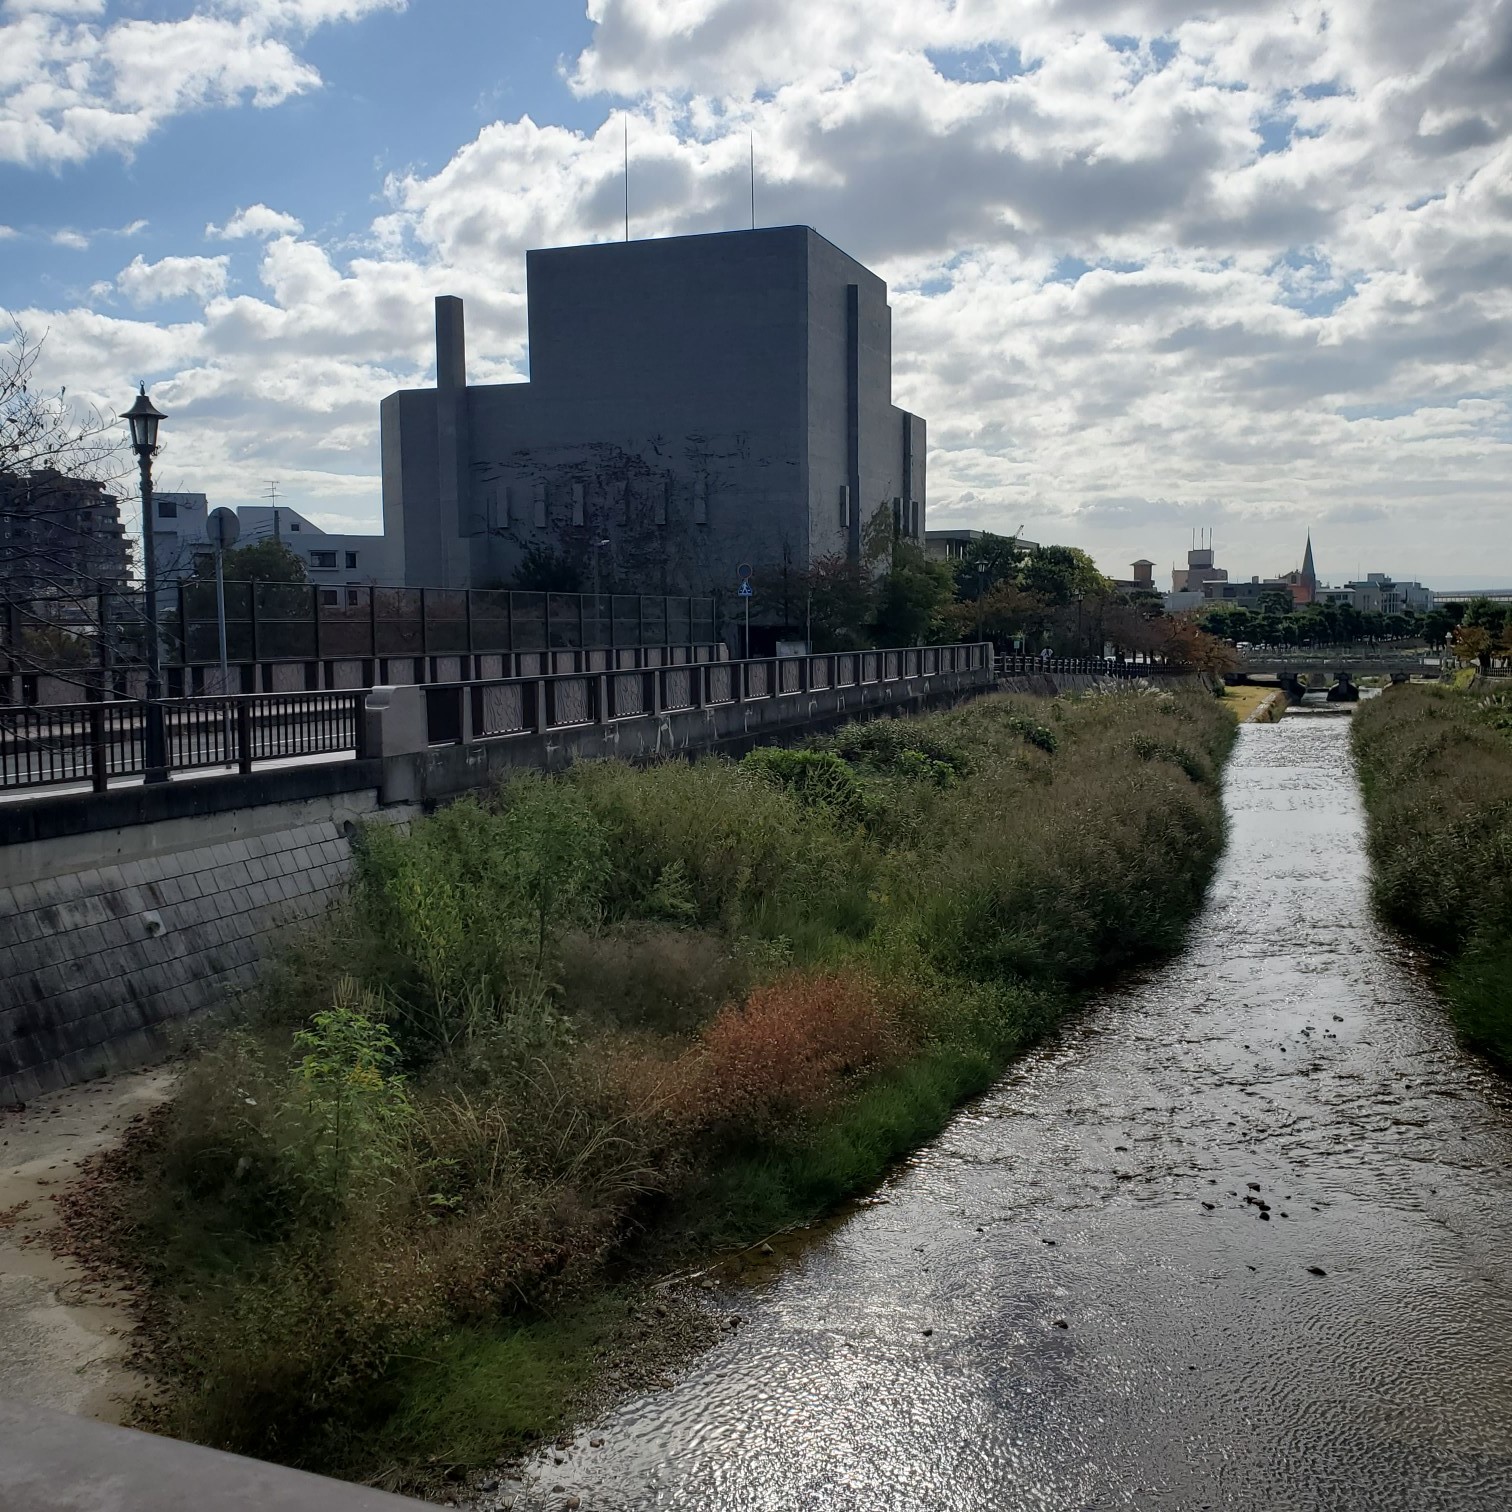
(75, 81)
(146, 283)
(255, 220)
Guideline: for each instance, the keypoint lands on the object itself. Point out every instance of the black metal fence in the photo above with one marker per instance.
(311, 622)
(267, 622)
(459, 713)
(76, 743)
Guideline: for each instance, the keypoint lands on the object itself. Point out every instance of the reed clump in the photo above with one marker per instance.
(1435, 766)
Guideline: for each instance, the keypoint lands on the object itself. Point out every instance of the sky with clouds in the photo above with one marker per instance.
(1153, 266)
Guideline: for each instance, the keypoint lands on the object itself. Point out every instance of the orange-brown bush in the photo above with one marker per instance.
(789, 1051)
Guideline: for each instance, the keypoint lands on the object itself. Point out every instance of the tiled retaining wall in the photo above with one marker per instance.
(108, 939)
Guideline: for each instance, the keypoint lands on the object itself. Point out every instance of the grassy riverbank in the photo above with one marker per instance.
(593, 1026)
(1436, 769)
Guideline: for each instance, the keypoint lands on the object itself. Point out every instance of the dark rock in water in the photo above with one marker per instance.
(1316, 1270)
(1264, 1217)
(1061, 1323)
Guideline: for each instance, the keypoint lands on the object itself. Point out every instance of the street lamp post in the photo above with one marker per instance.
(143, 418)
(598, 608)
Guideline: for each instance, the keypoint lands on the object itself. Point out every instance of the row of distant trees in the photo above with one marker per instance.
(1474, 631)
(1019, 597)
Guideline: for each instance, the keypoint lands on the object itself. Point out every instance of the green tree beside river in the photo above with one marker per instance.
(1436, 770)
(585, 1028)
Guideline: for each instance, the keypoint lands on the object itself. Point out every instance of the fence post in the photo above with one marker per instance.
(542, 723)
(244, 735)
(423, 660)
(98, 766)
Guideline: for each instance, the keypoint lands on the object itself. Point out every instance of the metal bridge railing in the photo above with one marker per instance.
(1093, 666)
(459, 713)
(46, 745)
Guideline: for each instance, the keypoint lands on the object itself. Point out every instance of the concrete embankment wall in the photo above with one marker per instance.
(122, 915)
(110, 937)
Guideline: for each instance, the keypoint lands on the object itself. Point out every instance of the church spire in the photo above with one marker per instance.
(1307, 579)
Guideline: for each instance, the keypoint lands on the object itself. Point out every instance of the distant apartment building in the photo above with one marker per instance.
(696, 404)
(333, 560)
(1378, 593)
(60, 538)
(1249, 594)
(952, 545)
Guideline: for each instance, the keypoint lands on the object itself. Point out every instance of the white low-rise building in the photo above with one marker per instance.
(330, 559)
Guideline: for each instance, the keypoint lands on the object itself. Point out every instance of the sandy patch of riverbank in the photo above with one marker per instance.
(63, 1338)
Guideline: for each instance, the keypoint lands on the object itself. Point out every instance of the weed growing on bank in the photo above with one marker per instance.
(593, 1023)
(1436, 769)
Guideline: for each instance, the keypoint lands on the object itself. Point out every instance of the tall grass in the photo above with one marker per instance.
(1435, 766)
(588, 1022)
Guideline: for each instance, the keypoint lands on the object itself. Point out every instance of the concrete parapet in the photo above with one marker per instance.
(50, 1462)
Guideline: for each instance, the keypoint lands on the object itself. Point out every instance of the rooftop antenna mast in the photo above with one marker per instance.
(272, 497)
(627, 178)
(753, 177)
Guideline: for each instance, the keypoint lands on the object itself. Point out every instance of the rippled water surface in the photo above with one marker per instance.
(912, 1355)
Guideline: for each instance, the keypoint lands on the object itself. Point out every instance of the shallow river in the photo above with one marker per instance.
(912, 1354)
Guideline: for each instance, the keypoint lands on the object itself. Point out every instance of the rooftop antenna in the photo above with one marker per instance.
(753, 177)
(627, 177)
(272, 497)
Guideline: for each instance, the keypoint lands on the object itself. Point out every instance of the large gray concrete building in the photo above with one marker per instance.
(695, 403)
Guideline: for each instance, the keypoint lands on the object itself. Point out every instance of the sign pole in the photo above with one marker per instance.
(743, 572)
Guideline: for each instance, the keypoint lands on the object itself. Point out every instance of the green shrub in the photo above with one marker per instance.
(1035, 733)
(817, 779)
(883, 744)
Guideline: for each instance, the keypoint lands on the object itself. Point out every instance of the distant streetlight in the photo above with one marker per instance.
(143, 417)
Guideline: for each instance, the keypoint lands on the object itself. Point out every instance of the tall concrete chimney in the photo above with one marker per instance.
(452, 448)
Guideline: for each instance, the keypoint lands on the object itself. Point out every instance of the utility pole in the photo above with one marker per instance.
(273, 495)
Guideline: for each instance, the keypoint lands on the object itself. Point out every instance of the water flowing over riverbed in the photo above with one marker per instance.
(1100, 1287)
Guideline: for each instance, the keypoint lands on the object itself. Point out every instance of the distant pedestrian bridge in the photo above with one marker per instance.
(1323, 667)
